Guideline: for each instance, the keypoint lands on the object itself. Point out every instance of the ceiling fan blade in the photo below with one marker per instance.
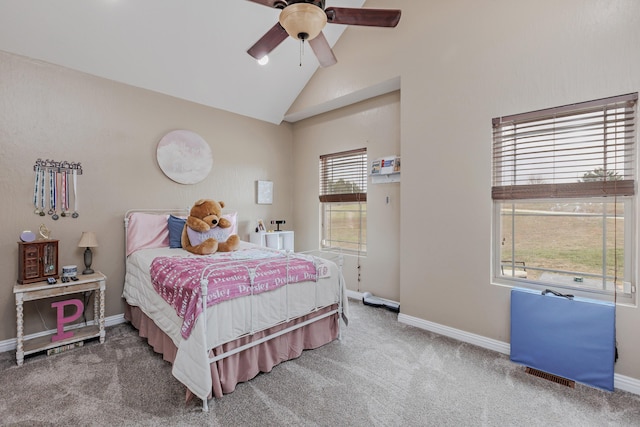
(280, 4)
(272, 38)
(321, 48)
(366, 17)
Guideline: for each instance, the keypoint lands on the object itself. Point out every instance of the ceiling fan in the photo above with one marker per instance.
(305, 19)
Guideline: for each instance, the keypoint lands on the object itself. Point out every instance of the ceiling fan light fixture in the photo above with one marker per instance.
(303, 21)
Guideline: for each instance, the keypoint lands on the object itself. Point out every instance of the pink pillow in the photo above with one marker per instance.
(147, 231)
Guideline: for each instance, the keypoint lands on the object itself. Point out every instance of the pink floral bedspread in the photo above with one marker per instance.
(229, 275)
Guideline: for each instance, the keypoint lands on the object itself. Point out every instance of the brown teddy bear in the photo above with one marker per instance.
(206, 231)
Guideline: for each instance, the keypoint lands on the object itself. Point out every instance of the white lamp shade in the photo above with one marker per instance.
(88, 240)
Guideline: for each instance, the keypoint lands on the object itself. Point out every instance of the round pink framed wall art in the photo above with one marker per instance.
(184, 157)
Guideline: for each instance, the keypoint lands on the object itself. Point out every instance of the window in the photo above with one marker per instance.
(343, 198)
(564, 197)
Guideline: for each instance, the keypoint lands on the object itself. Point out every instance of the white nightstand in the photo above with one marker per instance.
(95, 282)
(281, 240)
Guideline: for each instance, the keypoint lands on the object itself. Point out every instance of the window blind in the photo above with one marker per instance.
(578, 150)
(343, 176)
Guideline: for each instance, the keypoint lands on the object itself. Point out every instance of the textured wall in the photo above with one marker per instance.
(374, 124)
(461, 63)
(50, 112)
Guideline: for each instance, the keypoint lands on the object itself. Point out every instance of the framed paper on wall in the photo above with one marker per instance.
(265, 192)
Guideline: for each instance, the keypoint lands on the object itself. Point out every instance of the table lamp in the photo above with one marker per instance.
(88, 240)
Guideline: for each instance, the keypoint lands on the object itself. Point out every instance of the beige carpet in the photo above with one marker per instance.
(383, 373)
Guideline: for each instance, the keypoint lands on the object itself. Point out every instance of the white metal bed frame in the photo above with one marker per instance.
(204, 283)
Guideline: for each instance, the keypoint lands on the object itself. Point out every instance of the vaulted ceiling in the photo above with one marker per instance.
(190, 49)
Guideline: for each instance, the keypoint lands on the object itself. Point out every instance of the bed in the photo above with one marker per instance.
(221, 319)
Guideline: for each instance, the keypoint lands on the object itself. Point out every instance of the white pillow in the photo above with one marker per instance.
(218, 233)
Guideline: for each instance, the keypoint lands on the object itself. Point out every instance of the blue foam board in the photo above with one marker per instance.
(574, 339)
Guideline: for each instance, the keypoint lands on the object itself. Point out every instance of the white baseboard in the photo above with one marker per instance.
(354, 294)
(621, 382)
(479, 340)
(10, 344)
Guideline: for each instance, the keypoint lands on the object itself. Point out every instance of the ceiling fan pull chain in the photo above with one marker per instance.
(301, 50)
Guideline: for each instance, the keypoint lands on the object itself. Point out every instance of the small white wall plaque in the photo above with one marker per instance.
(265, 192)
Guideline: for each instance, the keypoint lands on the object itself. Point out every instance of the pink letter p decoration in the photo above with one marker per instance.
(62, 320)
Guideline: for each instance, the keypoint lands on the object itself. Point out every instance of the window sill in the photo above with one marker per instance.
(622, 299)
(346, 252)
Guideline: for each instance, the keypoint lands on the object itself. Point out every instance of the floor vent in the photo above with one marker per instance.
(550, 377)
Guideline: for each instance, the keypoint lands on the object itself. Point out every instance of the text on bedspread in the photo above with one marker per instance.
(229, 275)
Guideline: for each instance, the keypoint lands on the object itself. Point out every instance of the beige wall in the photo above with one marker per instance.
(49, 112)
(374, 124)
(461, 63)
